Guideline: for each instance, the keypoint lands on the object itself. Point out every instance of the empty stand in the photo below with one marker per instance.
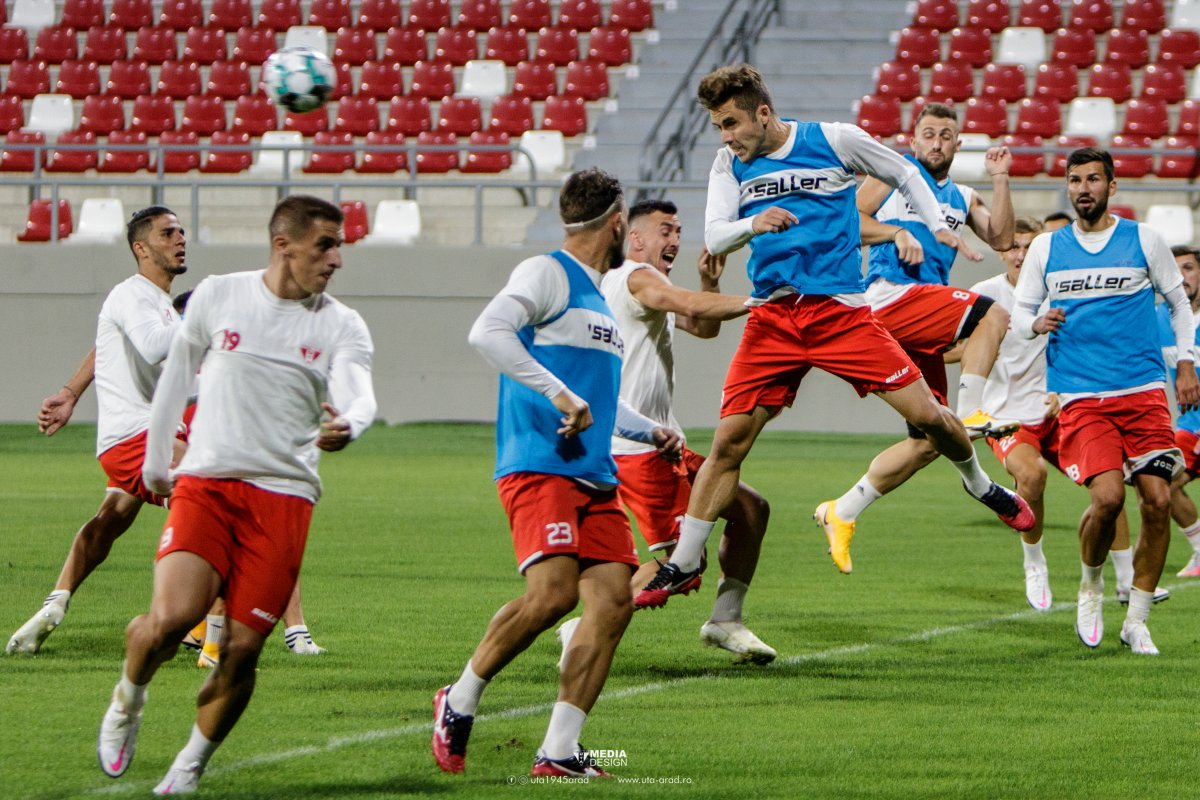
(120, 160)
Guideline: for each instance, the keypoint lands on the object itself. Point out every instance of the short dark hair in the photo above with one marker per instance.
(587, 194)
(294, 215)
(1027, 225)
(647, 207)
(1185, 250)
(1086, 155)
(1054, 216)
(180, 301)
(939, 110)
(740, 82)
(140, 223)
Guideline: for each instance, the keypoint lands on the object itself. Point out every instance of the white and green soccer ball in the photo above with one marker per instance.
(299, 78)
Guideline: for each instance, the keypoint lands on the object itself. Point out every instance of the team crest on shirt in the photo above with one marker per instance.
(309, 354)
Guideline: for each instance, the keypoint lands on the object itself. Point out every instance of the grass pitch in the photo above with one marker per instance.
(923, 674)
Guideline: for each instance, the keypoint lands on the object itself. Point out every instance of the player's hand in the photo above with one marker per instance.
(576, 413)
(997, 161)
(908, 248)
(773, 220)
(669, 443)
(56, 411)
(951, 240)
(1051, 321)
(1053, 405)
(1187, 386)
(178, 448)
(157, 480)
(711, 268)
(335, 431)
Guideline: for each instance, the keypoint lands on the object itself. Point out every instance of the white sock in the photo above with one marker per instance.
(1122, 561)
(214, 629)
(1192, 532)
(731, 594)
(562, 736)
(693, 537)
(198, 750)
(1092, 578)
(63, 597)
(1034, 557)
(857, 500)
(129, 694)
(975, 479)
(466, 691)
(1139, 605)
(970, 393)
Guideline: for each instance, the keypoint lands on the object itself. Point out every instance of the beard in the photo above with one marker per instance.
(1095, 213)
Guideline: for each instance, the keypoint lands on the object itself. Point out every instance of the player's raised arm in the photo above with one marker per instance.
(996, 225)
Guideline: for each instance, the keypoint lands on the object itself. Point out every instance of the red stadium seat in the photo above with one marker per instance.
(253, 45)
(1075, 46)
(919, 45)
(557, 46)
(357, 115)
(1188, 123)
(128, 79)
(971, 46)
(987, 116)
(126, 160)
(1165, 81)
(204, 114)
(633, 15)
(1110, 80)
(40, 222)
(1039, 116)
(1131, 165)
(154, 45)
(1058, 81)
(1179, 46)
(941, 15)
(879, 116)
(102, 114)
(55, 45)
(204, 45)
(379, 15)
(488, 160)
(104, 45)
(479, 15)
(1123, 210)
(586, 79)
(536, 80)
(405, 46)
(183, 160)
(14, 45)
(428, 15)
(383, 161)
(432, 79)
(28, 79)
(1146, 15)
(455, 46)
(229, 80)
(991, 15)
(330, 14)
(80, 79)
(83, 14)
(181, 14)
(179, 79)
(382, 80)
(951, 81)
(1005, 81)
(13, 160)
(1057, 167)
(582, 15)
(230, 15)
(436, 161)
(344, 80)
(354, 46)
(279, 15)
(409, 115)
(152, 114)
(228, 161)
(354, 220)
(1128, 46)
(460, 115)
(74, 160)
(309, 123)
(568, 115)
(899, 79)
(1096, 15)
(510, 45)
(1146, 116)
(1025, 165)
(1175, 164)
(610, 45)
(338, 158)
(131, 14)
(531, 15)
(254, 115)
(511, 114)
(12, 113)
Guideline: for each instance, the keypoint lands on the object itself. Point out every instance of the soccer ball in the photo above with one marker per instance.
(299, 78)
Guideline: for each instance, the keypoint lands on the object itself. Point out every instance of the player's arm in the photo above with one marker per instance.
(1031, 291)
(995, 226)
(872, 231)
(652, 289)
(350, 388)
(724, 228)
(146, 330)
(57, 409)
(955, 354)
(633, 425)
(1165, 277)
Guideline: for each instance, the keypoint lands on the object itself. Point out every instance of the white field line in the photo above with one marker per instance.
(338, 742)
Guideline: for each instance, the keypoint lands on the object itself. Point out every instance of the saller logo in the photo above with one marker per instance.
(897, 375)
(785, 185)
(1089, 282)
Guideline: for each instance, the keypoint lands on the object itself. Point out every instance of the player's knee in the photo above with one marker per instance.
(929, 418)
(239, 657)
(1107, 505)
(1031, 479)
(997, 317)
(548, 606)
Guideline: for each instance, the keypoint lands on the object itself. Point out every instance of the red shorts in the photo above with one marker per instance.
(122, 463)
(928, 318)
(656, 492)
(554, 515)
(786, 338)
(1044, 437)
(1188, 442)
(253, 538)
(1102, 434)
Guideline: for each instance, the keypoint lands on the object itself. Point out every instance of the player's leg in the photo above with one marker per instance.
(1121, 556)
(1183, 512)
(90, 547)
(214, 634)
(1154, 502)
(983, 344)
(295, 634)
(1097, 529)
(1025, 464)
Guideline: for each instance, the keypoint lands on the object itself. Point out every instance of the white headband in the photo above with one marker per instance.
(578, 226)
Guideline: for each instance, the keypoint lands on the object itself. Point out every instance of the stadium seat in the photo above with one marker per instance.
(991, 15)
(488, 161)
(254, 45)
(461, 116)
(152, 114)
(1058, 81)
(131, 14)
(455, 46)
(1178, 158)
(183, 160)
(154, 45)
(1179, 46)
(940, 15)
(179, 79)
(13, 159)
(428, 15)
(308, 123)
(919, 45)
(1174, 222)
(879, 116)
(479, 15)
(409, 115)
(1095, 15)
(1094, 116)
(486, 80)
(970, 163)
(124, 161)
(1146, 116)
(180, 15)
(1146, 15)
(1185, 14)
(1194, 85)
(1131, 165)
(970, 45)
(383, 161)
(951, 81)
(230, 15)
(510, 45)
(432, 79)
(1123, 210)
(565, 114)
(254, 114)
(337, 158)
(80, 79)
(1057, 166)
(14, 45)
(344, 81)
(1188, 122)
(354, 46)
(128, 79)
(582, 15)
(511, 114)
(986, 116)
(55, 45)
(633, 15)
(547, 153)
(557, 46)
(536, 80)
(28, 79)
(1039, 116)
(278, 15)
(1075, 46)
(204, 45)
(204, 114)
(899, 79)
(531, 15)
(104, 45)
(102, 114)
(228, 80)
(354, 220)
(51, 114)
(1110, 80)
(12, 113)
(83, 14)
(358, 115)
(405, 46)
(32, 15)
(586, 79)
(1025, 46)
(313, 36)
(609, 45)
(397, 222)
(101, 221)
(329, 14)
(379, 15)
(436, 161)
(1005, 81)
(73, 160)
(224, 160)
(1025, 165)
(1166, 82)
(1128, 46)
(280, 154)
(40, 222)
(382, 80)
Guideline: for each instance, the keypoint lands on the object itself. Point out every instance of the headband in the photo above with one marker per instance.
(578, 226)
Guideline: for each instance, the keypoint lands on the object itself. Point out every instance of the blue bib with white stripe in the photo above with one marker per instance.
(1188, 420)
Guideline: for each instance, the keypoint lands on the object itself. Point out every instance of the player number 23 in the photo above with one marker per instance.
(559, 533)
